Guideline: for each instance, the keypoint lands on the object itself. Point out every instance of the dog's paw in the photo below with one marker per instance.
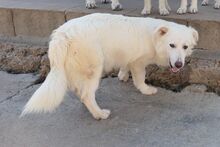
(90, 4)
(148, 90)
(103, 114)
(168, 7)
(193, 10)
(181, 10)
(164, 12)
(116, 6)
(205, 2)
(123, 76)
(105, 1)
(145, 11)
(217, 5)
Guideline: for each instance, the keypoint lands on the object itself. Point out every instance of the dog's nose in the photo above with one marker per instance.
(178, 64)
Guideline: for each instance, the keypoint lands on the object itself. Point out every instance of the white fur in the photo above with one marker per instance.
(164, 7)
(90, 4)
(116, 6)
(183, 7)
(216, 5)
(83, 48)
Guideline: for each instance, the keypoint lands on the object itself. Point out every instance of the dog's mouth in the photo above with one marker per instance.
(173, 69)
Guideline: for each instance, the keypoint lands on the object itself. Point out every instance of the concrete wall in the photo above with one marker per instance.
(35, 26)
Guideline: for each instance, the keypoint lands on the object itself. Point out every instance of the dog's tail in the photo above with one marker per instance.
(52, 91)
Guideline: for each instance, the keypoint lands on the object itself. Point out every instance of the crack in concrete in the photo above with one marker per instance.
(13, 24)
(65, 17)
(17, 93)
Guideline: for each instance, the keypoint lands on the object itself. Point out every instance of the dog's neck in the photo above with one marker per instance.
(161, 59)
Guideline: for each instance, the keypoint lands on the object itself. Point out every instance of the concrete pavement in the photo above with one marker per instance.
(187, 119)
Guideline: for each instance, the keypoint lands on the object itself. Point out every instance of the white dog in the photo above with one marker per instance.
(164, 7)
(116, 6)
(216, 5)
(83, 48)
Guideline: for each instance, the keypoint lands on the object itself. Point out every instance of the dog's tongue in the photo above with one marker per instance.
(174, 69)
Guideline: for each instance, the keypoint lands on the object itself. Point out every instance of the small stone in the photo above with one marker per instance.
(196, 88)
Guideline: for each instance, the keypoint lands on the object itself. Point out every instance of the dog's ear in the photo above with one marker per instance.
(195, 34)
(161, 30)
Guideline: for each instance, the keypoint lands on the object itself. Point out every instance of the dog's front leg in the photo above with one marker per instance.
(193, 8)
(116, 6)
(138, 76)
(147, 7)
(90, 4)
(123, 74)
(163, 6)
(167, 5)
(183, 7)
(205, 2)
(217, 4)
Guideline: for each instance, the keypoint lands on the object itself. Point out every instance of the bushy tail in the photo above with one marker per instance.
(49, 95)
(52, 91)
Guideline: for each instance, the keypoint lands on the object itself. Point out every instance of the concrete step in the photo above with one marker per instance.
(30, 21)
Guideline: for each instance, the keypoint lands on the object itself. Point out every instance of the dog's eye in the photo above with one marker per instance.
(185, 47)
(172, 45)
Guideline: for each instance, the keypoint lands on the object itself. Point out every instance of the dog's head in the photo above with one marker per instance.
(173, 43)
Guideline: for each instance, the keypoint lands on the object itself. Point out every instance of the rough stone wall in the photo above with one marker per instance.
(20, 58)
(203, 67)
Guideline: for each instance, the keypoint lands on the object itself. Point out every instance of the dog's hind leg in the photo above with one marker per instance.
(123, 74)
(138, 76)
(90, 77)
(84, 66)
(88, 98)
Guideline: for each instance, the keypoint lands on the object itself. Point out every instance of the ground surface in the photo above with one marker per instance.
(187, 119)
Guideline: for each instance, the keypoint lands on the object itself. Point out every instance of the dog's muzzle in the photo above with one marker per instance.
(177, 67)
